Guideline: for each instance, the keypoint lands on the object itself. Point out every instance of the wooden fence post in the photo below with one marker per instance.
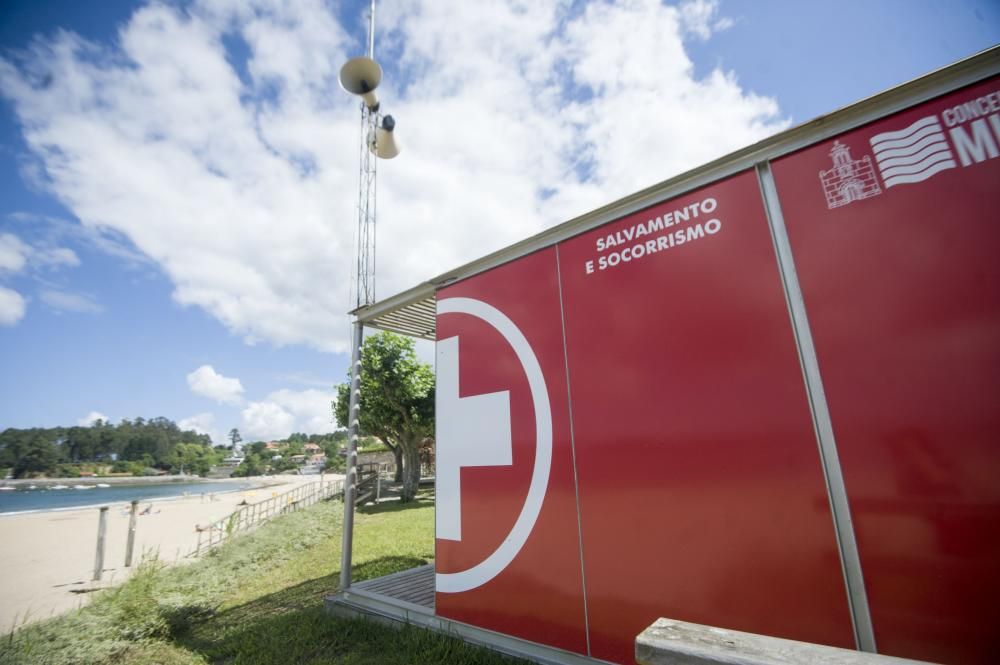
(131, 533)
(102, 528)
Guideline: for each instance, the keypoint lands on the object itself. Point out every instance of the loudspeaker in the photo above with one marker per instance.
(360, 76)
(383, 141)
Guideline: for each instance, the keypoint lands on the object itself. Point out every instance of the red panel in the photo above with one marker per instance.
(701, 490)
(539, 596)
(902, 288)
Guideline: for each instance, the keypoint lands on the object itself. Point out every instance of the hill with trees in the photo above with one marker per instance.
(262, 457)
(137, 447)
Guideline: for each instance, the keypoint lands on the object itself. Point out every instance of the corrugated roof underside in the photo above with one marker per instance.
(415, 319)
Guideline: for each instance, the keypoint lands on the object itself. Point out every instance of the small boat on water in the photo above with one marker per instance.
(33, 487)
(103, 485)
(60, 487)
(6, 489)
(83, 487)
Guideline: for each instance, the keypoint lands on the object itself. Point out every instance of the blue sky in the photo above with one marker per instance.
(178, 181)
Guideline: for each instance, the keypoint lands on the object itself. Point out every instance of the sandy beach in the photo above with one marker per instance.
(47, 558)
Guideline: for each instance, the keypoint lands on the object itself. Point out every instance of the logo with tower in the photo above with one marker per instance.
(903, 157)
(850, 179)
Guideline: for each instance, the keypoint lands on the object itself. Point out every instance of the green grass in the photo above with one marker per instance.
(256, 600)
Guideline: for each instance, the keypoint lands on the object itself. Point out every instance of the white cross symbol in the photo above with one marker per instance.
(471, 431)
(487, 428)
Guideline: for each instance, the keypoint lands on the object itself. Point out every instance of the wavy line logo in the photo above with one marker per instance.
(913, 154)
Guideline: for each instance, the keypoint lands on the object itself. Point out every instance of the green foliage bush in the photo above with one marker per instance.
(335, 464)
(67, 471)
(123, 466)
(252, 465)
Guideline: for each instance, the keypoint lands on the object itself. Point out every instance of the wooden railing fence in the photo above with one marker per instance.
(253, 514)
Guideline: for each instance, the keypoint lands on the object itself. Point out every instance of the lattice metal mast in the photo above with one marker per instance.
(367, 179)
(367, 185)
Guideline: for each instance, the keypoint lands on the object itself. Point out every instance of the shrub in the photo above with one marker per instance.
(335, 464)
(68, 471)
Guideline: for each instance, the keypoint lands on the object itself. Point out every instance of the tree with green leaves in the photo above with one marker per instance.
(252, 465)
(235, 438)
(256, 448)
(32, 452)
(194, 458)
(397, 401)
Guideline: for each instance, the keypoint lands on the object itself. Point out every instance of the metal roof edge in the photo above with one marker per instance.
(950, 77)
(412, 295)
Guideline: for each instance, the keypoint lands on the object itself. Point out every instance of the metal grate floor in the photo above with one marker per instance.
(412, 586)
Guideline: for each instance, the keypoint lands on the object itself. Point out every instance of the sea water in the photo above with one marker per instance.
(24, 499)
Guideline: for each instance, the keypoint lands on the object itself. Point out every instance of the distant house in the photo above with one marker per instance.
(272, 445)
(311, 448)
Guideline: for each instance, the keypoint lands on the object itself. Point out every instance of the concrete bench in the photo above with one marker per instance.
(669, 642)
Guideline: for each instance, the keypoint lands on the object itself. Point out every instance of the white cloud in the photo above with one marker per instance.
(12, 306)
(202, 423)
(58, 230)
(700, 18)
(266, 420)
(285, 411)
(17, 256)
(207, 382)
(64, 301)
(241, 182)
(13, 253)
(90, 418)
(58, 256)
(306, 379)
(723, 23)
(312, 409)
